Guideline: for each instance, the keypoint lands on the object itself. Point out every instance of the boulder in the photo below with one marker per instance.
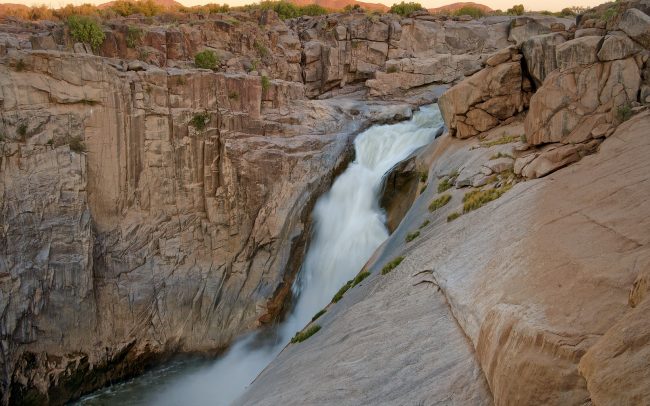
(617, 47)
(579, 51)
(539, 53)
(496, 92)
(562, 109)
(636, 24)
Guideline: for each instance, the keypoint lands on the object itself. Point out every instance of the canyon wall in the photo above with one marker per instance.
(150, 208)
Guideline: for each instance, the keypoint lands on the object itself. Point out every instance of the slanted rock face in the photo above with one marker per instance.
(483, 100)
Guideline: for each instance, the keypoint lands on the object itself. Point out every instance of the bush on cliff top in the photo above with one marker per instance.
(404, 8)
(286, 10)
(87, 30)
(475, 12)
(392, 265)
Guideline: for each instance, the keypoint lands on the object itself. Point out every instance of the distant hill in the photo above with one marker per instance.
(450, 8)
(12, 9)
(340, 4)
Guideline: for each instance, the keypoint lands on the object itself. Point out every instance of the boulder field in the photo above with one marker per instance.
(149, 208)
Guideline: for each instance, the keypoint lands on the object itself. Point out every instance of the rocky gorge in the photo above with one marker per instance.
(150, 208)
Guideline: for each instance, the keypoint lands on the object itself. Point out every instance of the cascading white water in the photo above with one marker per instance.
(349, 226)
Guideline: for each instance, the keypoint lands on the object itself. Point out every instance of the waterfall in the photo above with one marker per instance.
(348, 228)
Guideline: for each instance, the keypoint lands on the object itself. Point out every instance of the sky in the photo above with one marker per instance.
(551, 5)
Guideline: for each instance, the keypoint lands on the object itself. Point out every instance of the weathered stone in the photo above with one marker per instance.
(580, 51)
(636, 24)
(539, 52)
(617, 47)
(500, 164)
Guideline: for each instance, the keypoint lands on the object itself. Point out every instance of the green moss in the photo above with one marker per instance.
(439, 202)
(305, 334)
(317, 315)
(392, 265)
(453, 216)
(412, 236)
(200, 121)
(478, 198)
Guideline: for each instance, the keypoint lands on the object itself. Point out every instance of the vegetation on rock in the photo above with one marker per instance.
(392, 265)
(317, 315)
(477, 198)
(439, 202)
(404, 9)
(87, 30)
(305, 334)
(453, 216)
(206, 60)
(412, 236)
(200, 121)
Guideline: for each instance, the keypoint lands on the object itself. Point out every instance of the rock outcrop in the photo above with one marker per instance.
(149, 207)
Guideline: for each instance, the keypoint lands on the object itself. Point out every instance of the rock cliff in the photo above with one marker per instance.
(151, 208)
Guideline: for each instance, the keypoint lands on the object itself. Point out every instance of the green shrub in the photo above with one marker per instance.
(424, 224)
(206, 60)
(266, 83)
(517, 9)
(423, 188)
(475, 12)
(317, 315)
(404, 9)
(148, 8)
(133, 36)
(286, 10)
(392, 265)
(446, 184)
(392, 69)
(439, 202)
(624, 112)
(424, 176)
(20, 65)
(453, 216)
(77, 144)
(339, 295)
(303, 335)
(87, 30)
(477, 198)
(233, 95)
(261, 49)
(412, 236)
(360, 277)
(200, 121)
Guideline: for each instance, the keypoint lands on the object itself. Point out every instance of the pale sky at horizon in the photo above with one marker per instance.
(551, 5)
